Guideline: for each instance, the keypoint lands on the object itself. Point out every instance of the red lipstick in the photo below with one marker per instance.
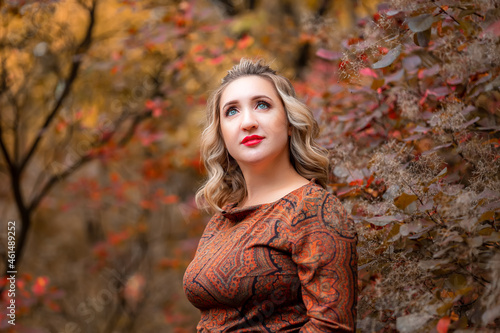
(251, 140)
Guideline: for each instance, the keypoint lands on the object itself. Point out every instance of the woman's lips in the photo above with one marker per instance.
(252, 140)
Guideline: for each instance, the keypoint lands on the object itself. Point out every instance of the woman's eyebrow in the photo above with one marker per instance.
(229, 103)
(252, 99)
(260, 96)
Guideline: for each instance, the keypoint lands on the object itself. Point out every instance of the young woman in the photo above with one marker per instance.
(279, 255)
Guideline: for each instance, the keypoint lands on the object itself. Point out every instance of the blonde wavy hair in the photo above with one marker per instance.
(225, 183)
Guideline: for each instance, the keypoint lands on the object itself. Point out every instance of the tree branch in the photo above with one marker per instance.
(441, 220)
(304, 51)
(77, 61)
(54, 179)
(130, 132)
(3, 78)
(442, 10)
(227, 6)
(3, 88)
(5, 153)
(57, 178)
(139, 117)
(17, 116)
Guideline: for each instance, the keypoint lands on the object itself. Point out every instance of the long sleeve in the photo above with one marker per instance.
(324, 250)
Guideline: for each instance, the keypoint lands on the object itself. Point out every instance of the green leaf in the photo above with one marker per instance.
(420, 23)
(389, 58)
(404, 200)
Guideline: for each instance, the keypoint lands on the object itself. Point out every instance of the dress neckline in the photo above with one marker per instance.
(231, 208)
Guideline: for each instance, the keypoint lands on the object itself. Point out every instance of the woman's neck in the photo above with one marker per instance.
(271, 184)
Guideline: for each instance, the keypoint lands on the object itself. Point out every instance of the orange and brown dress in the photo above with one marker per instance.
(285, 266)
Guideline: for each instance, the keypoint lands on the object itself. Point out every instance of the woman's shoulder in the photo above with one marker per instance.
(317, 204)
(313, 195)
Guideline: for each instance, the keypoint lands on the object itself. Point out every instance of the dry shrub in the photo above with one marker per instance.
(417, 162)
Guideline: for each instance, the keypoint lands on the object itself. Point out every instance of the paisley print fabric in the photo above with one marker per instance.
(286, 266)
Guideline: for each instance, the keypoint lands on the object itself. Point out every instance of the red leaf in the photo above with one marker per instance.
(438, 91)
(343, 64)
(156, 112)
(78, 114)
(198, 48)
(156, 106)
(114, 176)
(245, 42)
(152, 170)
(370, 180)
(353, 41)
(147, 204)
(115, 69)
(368, 72)
(53, 306)
(217, 60)
(100, 250)
(493, 29)
(328, 55)
(40, 285)
(442, 326)
(61, 126)
(115, 55)
(358, 182)
(383, 50)
(228, 43)
(150, 104)
(169, 199)
(118, 237)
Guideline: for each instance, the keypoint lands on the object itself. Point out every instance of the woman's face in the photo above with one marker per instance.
(254, 124)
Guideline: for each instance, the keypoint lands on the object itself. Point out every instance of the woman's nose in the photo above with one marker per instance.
(248, 120)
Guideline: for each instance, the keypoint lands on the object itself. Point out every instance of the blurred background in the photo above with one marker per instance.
(101, 109)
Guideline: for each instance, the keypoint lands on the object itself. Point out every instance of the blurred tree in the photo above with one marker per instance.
(18, 104)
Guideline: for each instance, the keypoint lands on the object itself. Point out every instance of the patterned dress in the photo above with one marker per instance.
(285, 266)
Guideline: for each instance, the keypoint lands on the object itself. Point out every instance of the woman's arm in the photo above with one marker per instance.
(325, 253)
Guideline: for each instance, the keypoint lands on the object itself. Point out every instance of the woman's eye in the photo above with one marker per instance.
(231, 112)
(262, 105)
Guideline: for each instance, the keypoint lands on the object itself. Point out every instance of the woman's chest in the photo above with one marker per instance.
(243, 261)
